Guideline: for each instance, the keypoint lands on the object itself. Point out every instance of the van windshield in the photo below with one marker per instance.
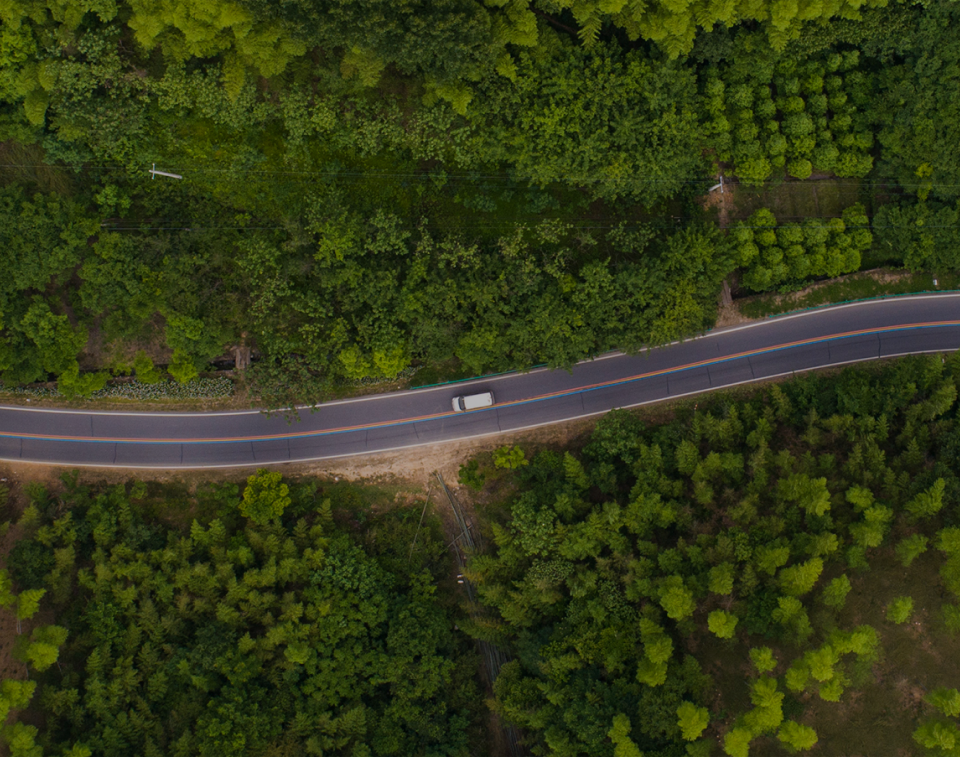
(460, 403)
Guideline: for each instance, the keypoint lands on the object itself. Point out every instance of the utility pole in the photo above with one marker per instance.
(157, 173)
(718, 186)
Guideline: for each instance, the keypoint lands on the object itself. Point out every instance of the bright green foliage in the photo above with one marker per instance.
(21, 739)
(15, 695)
(797, 676)
(764, 121)
(619, 734)
(145, 370)
(767, 713)
(736, 742)
(28, 603)
(811, 495)
(763, 659)
(900, 609)
(835, 592)
(265, 497)
(692, 720)
(860, 497)
(44, 647)
(510, 457)
(801, 578)
(927, 503)
(771, 254)
(651, 673)
(78, 750)
(948, 541)
(769, 559)
(940, 736)
(676, 599)
(721, 579)
(722, 624)
(797, 737)
(946, 700)
(910, 548)
(820, 662)
(7, 597)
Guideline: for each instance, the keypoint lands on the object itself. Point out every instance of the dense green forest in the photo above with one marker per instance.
(682, 588)
(274, 628)
(369, 187)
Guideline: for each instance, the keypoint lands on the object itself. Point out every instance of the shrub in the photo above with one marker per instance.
(900, 610)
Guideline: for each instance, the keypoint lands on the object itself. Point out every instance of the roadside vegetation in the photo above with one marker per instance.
(761, 572)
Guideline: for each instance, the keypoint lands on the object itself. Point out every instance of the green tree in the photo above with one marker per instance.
(676, 599)
(835, 592)
(265, 497)
(941, 736)
(144, 368)
(619, 734)
(722, 624)
(15, 695)
(21, 739)
(946, 700)
(927, 503)
(900, 609)
(763, 659)
(801, 578)
(721, 579)
(736, 742)
(28, 603)
(692, 720)
(44, 647)
(910, 548)
(797, 737)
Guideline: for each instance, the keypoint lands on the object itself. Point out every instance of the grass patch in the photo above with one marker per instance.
(857, 286)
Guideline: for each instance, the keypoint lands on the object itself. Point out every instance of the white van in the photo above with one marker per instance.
(472, 402)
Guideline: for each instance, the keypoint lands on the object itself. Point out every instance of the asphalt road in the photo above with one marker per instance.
(723, 358)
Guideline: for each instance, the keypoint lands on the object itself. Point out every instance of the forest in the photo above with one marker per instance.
(754, 573)
(274, 628)
(371, 188)
(703, 586)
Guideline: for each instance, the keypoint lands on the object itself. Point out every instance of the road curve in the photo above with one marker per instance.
(722, 358)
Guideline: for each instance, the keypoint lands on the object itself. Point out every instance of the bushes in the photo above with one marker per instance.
(922, 234)
(768, 118)
(771, 254)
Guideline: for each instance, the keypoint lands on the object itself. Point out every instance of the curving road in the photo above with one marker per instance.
(722, 358)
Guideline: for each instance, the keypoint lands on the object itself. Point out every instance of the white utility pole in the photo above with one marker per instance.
(157, 173)
(718, 186)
